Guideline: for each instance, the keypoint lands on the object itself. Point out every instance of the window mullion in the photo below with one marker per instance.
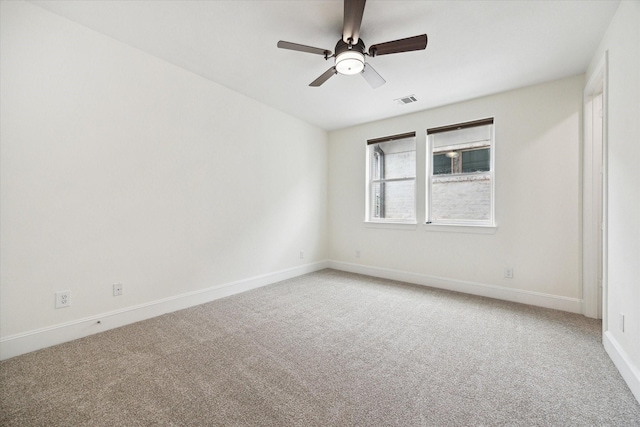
(408, 178)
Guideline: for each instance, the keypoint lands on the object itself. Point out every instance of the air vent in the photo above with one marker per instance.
(406, 100)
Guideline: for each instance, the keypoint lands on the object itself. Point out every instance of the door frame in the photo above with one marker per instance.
(594, 198)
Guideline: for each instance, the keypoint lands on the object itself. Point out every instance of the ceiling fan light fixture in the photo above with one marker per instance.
(349, 62)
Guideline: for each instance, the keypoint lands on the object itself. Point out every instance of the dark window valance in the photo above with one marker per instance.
(391, 138)
(482, 122)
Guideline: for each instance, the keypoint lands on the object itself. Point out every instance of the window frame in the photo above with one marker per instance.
(491, 222)
(370, 181)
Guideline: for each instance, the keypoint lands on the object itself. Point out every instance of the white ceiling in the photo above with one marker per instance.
(475, 48)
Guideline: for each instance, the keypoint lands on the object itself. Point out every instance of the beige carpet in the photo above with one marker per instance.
(328, 349)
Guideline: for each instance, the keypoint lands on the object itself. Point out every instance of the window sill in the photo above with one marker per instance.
(462, 228)
(392, 225)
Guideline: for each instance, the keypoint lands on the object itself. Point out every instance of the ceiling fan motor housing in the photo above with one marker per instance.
(349, 57)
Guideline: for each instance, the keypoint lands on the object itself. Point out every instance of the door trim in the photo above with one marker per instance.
(594, 198)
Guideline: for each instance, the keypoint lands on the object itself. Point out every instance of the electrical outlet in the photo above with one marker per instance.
(63, 299)
(358, 254)
(301, 254)
(508, 273)
(117, 289)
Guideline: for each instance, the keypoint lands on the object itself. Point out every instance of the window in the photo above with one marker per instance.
(391, 179)
(460, 174)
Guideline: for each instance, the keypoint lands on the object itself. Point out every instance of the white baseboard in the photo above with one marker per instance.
(15, 345)
(572, 305)
(630, 373)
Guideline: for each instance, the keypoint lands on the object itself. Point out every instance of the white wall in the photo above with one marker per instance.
(537, 149)
(117, 167)
(622, 41)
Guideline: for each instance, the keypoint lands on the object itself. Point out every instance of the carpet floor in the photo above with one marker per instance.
(328, 349)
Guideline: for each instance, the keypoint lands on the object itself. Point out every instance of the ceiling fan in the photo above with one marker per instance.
(350, 49)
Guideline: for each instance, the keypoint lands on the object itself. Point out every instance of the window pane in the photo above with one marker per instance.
(393, 200)
(462, 136)
(376, 163)
(475, 161)
(461, 198)
(397, 159)
(441, 164)
(377, 201)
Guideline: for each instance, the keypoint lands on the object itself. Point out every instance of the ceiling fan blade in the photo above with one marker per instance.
(397, 46)
(353, 10)
(324, 77)
(372, 77)
(303, 48)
